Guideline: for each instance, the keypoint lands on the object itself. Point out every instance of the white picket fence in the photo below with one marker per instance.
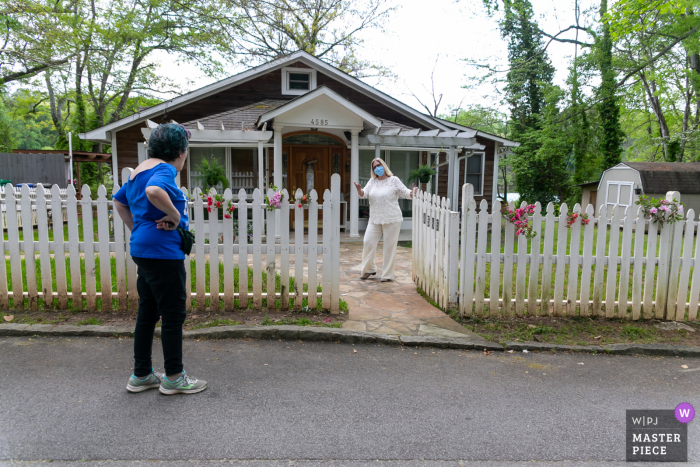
(243, 253)
(451, 262)
(32, 196)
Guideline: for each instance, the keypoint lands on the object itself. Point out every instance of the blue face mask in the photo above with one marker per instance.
(379, 171)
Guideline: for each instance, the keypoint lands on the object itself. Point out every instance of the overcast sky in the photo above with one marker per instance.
(420, 32)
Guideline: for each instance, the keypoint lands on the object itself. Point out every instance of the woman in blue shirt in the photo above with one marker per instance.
(153, 208)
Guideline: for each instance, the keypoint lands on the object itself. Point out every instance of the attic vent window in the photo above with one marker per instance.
(298, 81)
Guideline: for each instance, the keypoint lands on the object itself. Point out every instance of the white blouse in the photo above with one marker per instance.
(383, 198)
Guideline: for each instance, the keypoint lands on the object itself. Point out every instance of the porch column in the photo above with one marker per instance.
(378, 151)
(278, 169)
(261, 169)
(455, 186)
(494, 188)
(451, 158)
(354, 178)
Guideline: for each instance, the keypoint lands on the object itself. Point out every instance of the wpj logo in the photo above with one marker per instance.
(658, 435)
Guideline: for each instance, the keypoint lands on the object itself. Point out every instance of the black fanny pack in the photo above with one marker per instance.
(187, 240)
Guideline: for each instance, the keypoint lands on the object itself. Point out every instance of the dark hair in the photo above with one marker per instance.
(168, 141)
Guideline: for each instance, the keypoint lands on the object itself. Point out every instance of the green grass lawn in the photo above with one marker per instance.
(98, 284)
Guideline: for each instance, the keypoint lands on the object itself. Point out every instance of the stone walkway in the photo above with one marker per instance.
(391, 307)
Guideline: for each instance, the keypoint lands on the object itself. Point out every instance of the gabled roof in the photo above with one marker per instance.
(309, 96)
(103, 134)
(662, 177)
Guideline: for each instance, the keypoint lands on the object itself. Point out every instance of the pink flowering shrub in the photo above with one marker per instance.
(661, 211)
(275, 201)
(573, 216)
(519, 218)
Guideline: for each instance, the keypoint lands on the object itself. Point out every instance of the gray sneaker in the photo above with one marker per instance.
(151, 381)
(185, 384)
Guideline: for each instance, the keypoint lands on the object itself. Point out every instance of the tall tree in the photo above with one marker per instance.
(258, 31)
(530, 74)
(36, 36)
(609, 110)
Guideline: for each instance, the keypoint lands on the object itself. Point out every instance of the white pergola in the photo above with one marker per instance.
(200, 135)
(455, 140)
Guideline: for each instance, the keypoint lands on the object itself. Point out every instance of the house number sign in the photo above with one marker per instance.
(319, 122)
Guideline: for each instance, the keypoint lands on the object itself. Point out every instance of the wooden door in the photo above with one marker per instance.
(592, 200)
(309, 168)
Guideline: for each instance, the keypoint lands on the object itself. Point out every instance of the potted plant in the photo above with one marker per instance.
(423, 173)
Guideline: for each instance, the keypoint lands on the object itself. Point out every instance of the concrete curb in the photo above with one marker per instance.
(660, 350)
(320, 334)
(304, 333)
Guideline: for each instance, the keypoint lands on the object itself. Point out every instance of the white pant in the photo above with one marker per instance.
(391, 239)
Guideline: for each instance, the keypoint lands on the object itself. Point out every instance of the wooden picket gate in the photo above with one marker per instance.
(113, 242)
(638, 272)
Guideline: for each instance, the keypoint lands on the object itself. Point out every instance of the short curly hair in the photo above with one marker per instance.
(168, 141)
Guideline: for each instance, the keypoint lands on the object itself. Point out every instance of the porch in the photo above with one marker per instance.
(313, 137)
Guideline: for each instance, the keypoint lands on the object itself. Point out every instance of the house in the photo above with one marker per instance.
(625, 182)
(295, 121)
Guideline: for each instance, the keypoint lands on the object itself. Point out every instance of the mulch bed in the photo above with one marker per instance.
(582, 331)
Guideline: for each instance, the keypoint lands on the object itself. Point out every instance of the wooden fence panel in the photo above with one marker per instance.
(258, 218)
(521, 273)
(560, 271)
(574, 255)
(599, 274)
(74, 249)
(495, 292)
(89, 248)
(229, 297)
(313, 250)
(103, 248)
(29, 259)
(13, 244)
(547, 260)
(298, 250)
(200, 271)
(587, 263)
(508, 266)
(242, 249)
(533, 282)
(214, 250)
(270, 258)
(637, 283)
(120, 257)
(44, 255)
(481, 258)
(683, 281)
(284, 256)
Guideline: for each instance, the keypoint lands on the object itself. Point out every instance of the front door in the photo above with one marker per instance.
(309, 169)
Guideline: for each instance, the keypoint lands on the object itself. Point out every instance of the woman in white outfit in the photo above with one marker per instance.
(383, 191)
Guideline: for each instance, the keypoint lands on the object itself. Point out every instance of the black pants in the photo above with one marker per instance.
(162, 294)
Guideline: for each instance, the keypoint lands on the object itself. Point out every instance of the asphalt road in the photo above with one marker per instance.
(312, 404)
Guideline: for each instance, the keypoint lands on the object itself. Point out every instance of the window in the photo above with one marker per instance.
(297, 81)
(474, 172)
(619, 193)
(243, 170)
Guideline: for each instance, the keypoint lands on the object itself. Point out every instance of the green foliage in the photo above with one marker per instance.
(213, 173)
(481, 118)
(421, 171)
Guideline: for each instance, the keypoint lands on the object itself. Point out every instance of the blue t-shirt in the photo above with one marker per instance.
(147, 241)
